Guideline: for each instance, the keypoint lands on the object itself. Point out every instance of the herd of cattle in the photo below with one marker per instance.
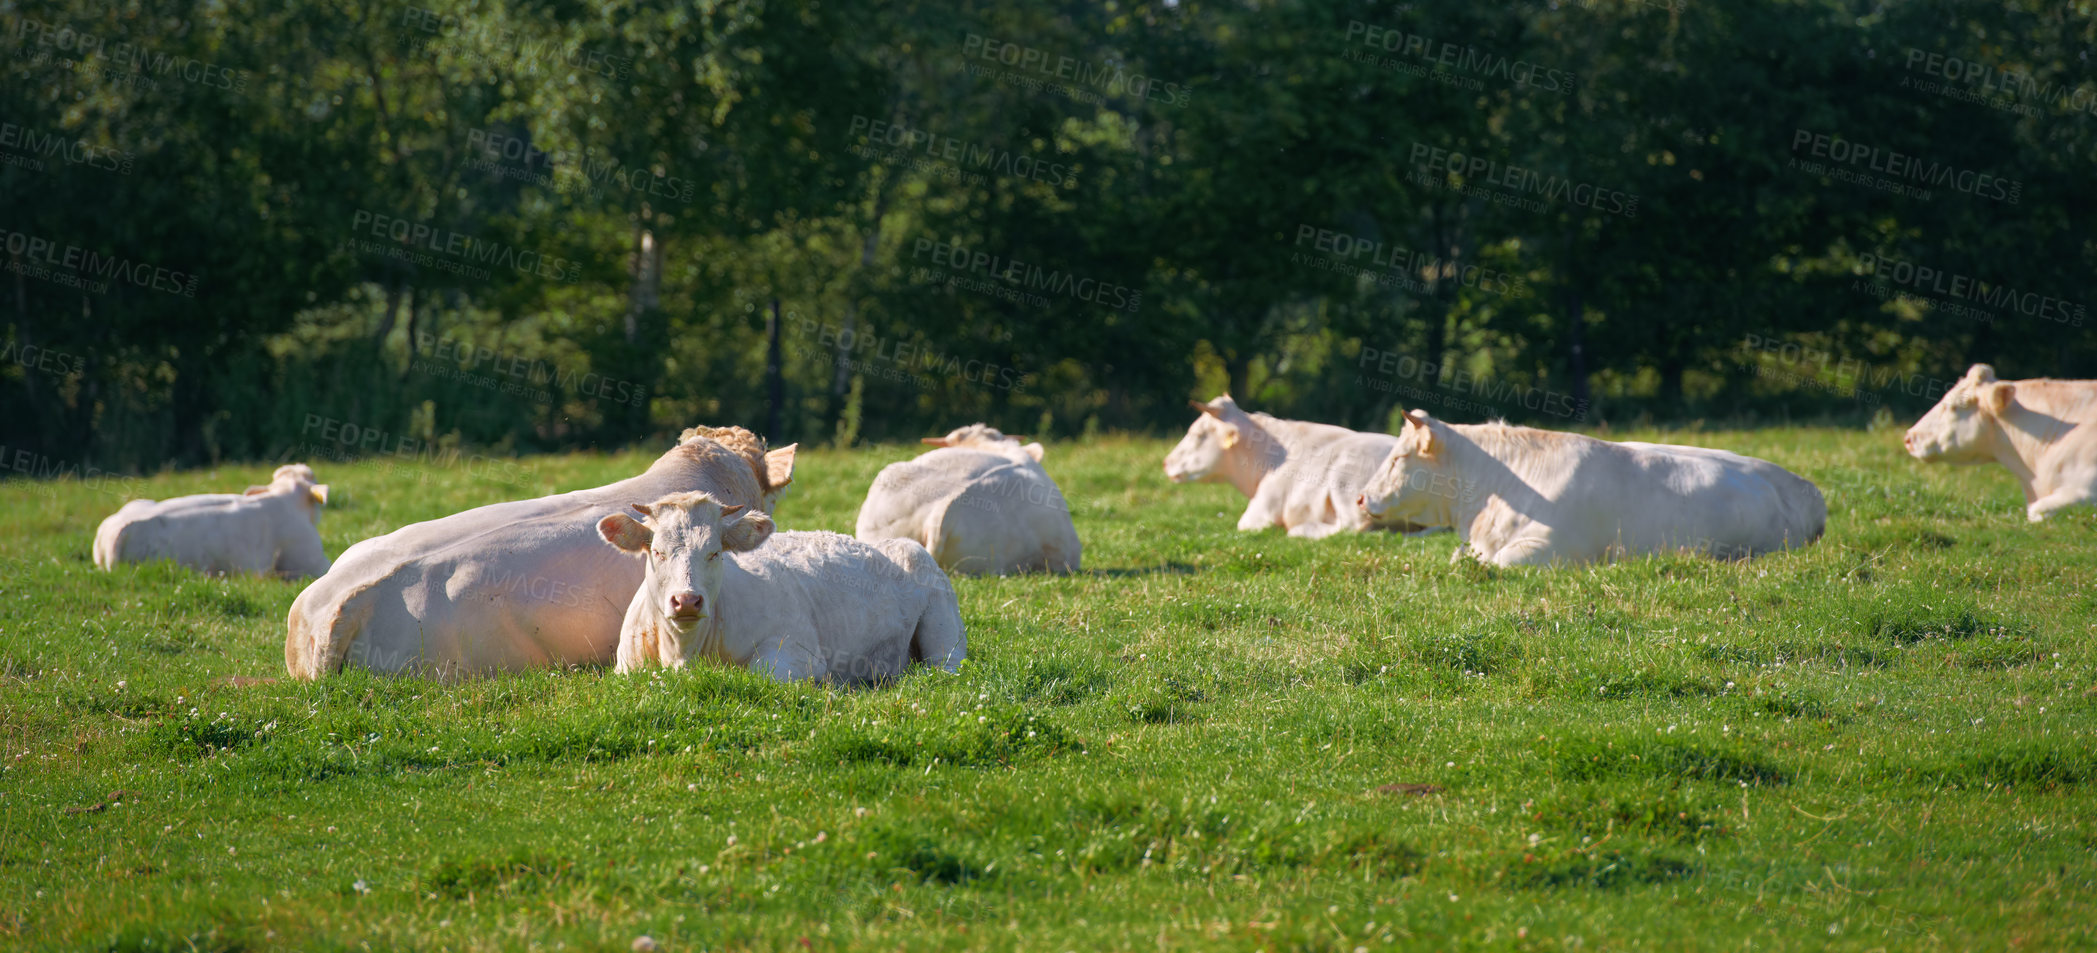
(682, 562)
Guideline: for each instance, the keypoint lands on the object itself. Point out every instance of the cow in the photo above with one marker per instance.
(510, 586)
(1299, 475)
(981, 504)
(809, 605)
(1518, 496)
(268, 530)
(2043, 430)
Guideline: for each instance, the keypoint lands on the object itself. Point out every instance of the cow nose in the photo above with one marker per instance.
(686, 604)
(1362, 501)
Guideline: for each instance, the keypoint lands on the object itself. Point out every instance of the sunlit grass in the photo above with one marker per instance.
(1205, 740)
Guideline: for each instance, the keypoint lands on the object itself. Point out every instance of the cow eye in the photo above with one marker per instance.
(716, 554)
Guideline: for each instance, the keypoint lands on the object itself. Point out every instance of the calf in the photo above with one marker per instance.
(1521, 496)
(802, 606)
(271, 529)
(2044, 431)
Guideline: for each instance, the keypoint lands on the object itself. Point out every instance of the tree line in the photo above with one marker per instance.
(530, 226)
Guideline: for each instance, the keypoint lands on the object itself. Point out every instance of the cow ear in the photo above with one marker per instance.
(2000, 397)
(1418, 422)
(1034, 450)
(319, 492)
(779, 465)
(625, 533)
(746, 532)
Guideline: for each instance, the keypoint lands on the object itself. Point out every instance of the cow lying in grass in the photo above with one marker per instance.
(1299, 475)
(270, 529)
(2044, 431)
(1527, 497)
(981, 504)
(509, 586)
(801, 606)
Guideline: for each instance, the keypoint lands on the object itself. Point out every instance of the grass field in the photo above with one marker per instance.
(1206, 740)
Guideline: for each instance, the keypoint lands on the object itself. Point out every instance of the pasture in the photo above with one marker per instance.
(1205, 740)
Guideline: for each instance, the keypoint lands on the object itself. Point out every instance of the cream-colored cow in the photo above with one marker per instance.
(510, 586)
(2043, 430)
(268, 529)
(1522, 496)
(800, 606)
(981, 504)
(1299, 475)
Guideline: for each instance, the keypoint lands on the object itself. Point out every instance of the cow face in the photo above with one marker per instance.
(681, 542)
(1405, 484)
(1960, 427)
(1213, 435)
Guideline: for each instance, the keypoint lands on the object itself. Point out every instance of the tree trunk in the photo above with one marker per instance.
(1576, 352)
(1439, 304)
(775, 381)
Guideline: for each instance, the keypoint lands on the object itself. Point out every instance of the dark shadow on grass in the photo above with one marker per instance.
(1126, 572)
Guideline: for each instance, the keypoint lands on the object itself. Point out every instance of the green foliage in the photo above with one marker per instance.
(597, 208)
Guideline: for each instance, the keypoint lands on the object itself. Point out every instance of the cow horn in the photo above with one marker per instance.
(642, 508)
(1204, 408)
(935, 441)
(732, 510)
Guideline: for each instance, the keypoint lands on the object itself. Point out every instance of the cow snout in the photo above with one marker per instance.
(686, 606)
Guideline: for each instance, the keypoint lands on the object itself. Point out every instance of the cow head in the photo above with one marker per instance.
(1220, 429)
(1403, 484)
(296, 480)
(1959, 428)
(680, 539)
(985, 437)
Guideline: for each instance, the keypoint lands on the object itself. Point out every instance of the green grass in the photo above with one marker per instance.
(1207, 740)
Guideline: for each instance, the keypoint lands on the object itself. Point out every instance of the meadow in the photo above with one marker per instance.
(1205, 740)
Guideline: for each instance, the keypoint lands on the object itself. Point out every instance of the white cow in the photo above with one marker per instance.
(802, 606)
(269, 529)
(1299, 475)
(510, 586)
(981, 504)
(1521, 496)
(2043, 430)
